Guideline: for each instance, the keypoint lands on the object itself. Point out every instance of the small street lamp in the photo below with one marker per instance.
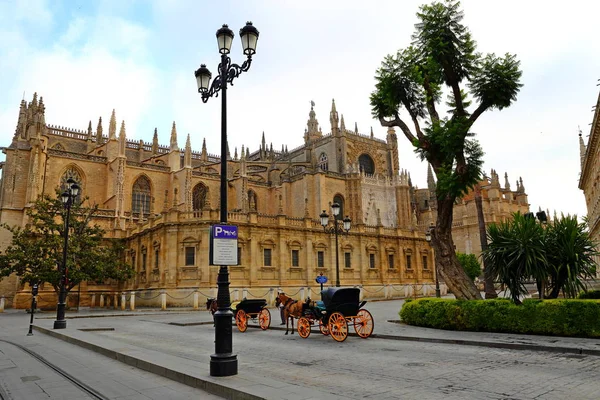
(437, 279)
(224, 362)
(67, 197)
(335, 229)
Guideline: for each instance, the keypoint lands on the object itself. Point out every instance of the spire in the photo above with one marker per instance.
(430, 179)
(112, 127)
(173, 146)
(342, 124)
(371, 132)
(187, 155)
(312, 132)
(263, 144)
(243, 153)
(521, 185)
(356, 127)
(506, 183)
(495, 180)
(99, 132)
(90, 135)
(228, 154)
(122, 139)
(334, 119)
(247, 153)
(582, 149)
(235, 153)
(155, 142)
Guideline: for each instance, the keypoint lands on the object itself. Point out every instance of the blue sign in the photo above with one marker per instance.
(223, 245)
(225, 232)
(321, 279)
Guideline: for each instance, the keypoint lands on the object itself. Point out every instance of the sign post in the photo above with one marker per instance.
(321, 279)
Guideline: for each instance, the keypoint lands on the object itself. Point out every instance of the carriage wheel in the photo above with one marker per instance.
(303, 327)
(363, 324)
(241, 320)
(338, 327)
(264, 319)
(323, 328)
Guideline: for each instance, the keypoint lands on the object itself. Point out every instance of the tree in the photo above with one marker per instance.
(559, 256)
(36, 250)
(443, 55)
(516, 253)
(470, 264)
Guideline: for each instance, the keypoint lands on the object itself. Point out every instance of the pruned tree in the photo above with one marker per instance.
(443, 56)
(36, 251)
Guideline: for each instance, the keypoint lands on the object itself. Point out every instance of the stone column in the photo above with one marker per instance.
(116, 301)
(302, 294)
(271, 300)
(132, 301)
(123, 301)
(93, 300)
(244, 293)
(1, 304)
(236, 295)
(163, 300)
(101, 300)
(195, 299)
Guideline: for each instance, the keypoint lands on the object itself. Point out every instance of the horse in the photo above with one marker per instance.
(211, 305)
(291, 309)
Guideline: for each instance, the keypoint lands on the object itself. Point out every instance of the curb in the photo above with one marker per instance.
(178, 376)
(480, 343)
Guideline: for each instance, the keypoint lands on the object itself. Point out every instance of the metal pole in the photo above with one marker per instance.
(337, 257)
(60, 322)
(223, 362)
(33, 305)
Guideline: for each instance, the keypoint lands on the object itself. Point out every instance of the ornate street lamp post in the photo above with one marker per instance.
(67, 197)
(335, 229)
(224, 362)
(437, 279)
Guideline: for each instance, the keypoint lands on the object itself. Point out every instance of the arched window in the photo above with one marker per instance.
(323, 162)
(199, 197)
(252, 200)
(366, 164)
(140, 198)
(340, 200)
(74, 174)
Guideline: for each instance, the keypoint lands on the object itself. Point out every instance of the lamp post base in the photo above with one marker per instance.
(223, 364)
(60, 324)
(437, 293)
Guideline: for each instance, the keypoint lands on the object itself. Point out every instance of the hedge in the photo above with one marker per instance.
(592, 294)
(539, 317)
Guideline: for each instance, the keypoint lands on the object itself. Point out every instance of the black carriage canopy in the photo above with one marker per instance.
(251, 306)
(344, 300)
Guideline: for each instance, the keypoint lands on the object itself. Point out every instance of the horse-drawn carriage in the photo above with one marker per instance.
(251, 309)
(339, 308)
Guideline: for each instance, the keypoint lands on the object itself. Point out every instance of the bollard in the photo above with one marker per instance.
(123, 301)
(244, 293)
(271, 297)
(308, 292)
(2, 304)
(362, 293)
(302, 294)
(385, 291)
(405, 291)
(195, 299)
(101, 300)
(93, 301)
(115, 301)
(132, 301)
(163, 300)
(236, 295)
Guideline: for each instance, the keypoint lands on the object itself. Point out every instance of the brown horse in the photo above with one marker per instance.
(211, 305)
(291, 309)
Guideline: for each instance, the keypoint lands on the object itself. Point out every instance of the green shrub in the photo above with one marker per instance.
(562, 317)
(470, 264)
(591, 294)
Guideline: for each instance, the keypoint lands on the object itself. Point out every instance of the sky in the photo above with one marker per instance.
(138, 57)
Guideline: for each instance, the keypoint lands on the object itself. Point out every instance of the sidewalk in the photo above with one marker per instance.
(192, 371)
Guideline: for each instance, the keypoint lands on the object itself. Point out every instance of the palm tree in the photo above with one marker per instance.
(570, 253)
(516, 253)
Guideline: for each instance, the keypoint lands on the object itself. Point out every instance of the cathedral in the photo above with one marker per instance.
(163, 199)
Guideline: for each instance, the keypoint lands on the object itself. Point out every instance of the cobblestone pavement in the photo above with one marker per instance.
(371, 368)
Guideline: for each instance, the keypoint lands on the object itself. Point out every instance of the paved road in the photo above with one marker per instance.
(24, 377)
(372, 368)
